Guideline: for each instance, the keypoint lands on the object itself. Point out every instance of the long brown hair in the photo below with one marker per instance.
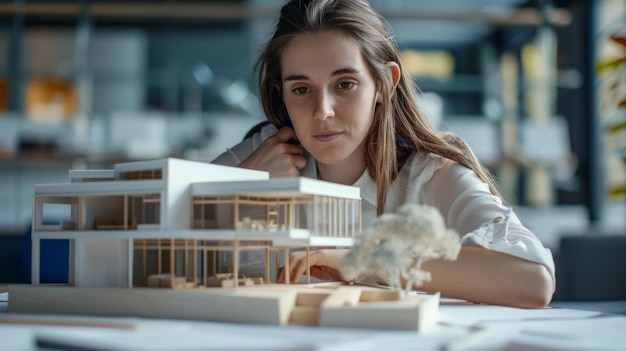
(399, 127)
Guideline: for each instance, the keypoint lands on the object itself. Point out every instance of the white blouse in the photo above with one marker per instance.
(464, 200)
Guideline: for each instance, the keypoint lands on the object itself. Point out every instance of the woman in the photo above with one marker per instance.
(343, 109)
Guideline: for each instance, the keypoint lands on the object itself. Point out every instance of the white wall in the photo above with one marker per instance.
(103, 263)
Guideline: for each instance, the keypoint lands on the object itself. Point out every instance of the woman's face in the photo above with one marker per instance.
(330, 95)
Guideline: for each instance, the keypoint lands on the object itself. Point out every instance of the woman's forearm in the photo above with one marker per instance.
(484, 276)
(477, 275)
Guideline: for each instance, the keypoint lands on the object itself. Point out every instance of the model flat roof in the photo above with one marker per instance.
(165, 163)
(92, 173)
(101, 188)
(160, 163)
(277, 186)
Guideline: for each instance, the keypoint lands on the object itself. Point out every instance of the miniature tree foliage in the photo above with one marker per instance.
(397, 244)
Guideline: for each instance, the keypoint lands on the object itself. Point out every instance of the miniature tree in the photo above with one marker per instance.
(397, 244)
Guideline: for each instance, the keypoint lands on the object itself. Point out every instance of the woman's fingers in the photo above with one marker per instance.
(298, 265)
(278, 155)
(324, 265)
(296, 260)
(280, 275)
(285, 134)
(325, 273)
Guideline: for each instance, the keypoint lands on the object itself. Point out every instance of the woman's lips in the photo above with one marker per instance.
(327, 136)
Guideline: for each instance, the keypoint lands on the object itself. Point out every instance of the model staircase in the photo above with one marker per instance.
(306, 310)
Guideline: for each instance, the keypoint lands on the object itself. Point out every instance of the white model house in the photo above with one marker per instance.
(169, 219)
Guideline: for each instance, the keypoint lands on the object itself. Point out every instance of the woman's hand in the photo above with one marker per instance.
(277, 156)
(325, 265)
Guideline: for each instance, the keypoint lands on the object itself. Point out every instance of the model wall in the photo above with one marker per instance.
(104, 262)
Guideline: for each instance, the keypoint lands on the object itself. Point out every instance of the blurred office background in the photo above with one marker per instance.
(537, 87)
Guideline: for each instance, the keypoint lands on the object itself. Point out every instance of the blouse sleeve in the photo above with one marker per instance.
(238, 153)
(479, 216)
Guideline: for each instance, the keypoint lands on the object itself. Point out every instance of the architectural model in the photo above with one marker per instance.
(162, 238)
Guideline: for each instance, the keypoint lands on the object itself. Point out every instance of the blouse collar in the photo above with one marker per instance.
(365, 182)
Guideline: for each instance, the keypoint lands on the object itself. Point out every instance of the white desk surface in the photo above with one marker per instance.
(461, 327)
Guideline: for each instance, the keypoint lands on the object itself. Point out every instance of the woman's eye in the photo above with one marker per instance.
(301, 90)
(345, 85)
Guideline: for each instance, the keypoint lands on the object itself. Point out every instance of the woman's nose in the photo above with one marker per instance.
(324, 106)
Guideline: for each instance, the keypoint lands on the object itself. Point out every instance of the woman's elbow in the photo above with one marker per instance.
(538, 289)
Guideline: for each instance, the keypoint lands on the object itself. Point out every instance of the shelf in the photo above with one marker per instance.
(610, 66)
(133, 10)
(238, 10)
